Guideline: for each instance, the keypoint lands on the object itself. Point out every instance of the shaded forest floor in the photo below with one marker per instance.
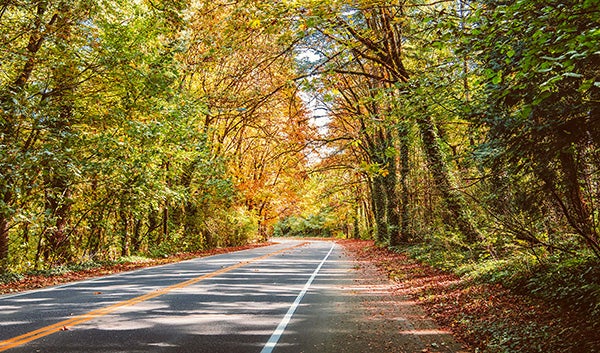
(55, 277)
(489, 318)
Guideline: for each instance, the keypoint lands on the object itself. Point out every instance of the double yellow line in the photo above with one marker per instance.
(79, 319)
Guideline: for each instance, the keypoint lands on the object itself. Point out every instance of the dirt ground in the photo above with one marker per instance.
(488, 318)
(396, 323)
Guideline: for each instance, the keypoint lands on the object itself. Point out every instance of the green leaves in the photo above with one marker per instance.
(497, 78)
(538, 84)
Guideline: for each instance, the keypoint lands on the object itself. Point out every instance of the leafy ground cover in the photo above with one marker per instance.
(12, 283)
(487, 316)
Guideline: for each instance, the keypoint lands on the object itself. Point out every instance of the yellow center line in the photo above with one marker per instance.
(79, 319)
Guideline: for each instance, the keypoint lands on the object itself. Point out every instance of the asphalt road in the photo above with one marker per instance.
(246, 301)
(293, 297)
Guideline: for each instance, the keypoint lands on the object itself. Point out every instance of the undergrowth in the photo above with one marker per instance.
(70, 268)
(570, 282)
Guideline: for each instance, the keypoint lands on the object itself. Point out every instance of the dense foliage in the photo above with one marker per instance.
(467, 130)
(145, 127)
(471, 123)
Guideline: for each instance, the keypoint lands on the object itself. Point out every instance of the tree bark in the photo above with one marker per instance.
(8, 122)
(58, 196)
(393, 215)
(379, 209)
(439, 170)
(3, 244)
(404, 191)
(124, 231)
(58, 204)
(579, 215)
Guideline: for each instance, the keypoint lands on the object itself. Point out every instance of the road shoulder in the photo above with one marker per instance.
(352, 308)
(396, 323)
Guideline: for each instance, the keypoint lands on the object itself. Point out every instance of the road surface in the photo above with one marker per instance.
(290, 297)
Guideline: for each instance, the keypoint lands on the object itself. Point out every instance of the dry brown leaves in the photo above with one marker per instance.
(488, 317)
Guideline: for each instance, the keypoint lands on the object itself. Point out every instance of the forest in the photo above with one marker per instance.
(466, 133)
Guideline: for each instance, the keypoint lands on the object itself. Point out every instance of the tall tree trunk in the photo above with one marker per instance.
(3, 244)
(58, 204)
(97, 215)
(441, 176)
(368, 216)
(9, 117)
(393, 215)
(355, 225)
(136, 240)
(404, 191)
(58, 180)
(164, 234)
(580, 216)
(125, 237)
(7, 197)
(356, 218)
(379, 209)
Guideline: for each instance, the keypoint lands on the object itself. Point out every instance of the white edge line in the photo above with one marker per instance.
(272, 342)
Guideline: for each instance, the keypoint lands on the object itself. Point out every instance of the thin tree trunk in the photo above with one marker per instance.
(356, 218)
(369, 217)
(94, 238)
(3, 244)
(165, 211)
(393, 216)
(124, 232)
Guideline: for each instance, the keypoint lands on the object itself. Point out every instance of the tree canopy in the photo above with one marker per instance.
(153, 127)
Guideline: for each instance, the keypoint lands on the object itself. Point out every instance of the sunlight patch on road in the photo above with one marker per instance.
(94, 314)
(274, 339)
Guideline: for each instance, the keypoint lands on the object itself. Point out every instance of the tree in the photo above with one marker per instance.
(378, 41)
(541, 108)
(125, 127)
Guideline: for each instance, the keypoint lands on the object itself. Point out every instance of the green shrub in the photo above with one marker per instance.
(231, 228)
(10, 277)
(569, 280)
(313, 225)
